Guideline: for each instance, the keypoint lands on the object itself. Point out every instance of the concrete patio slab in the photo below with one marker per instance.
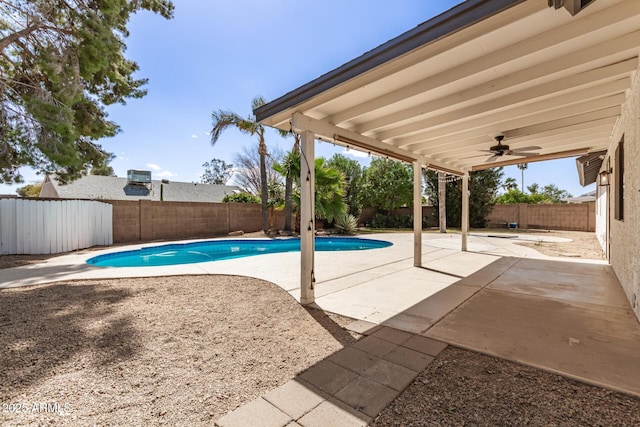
(295, 399)
(392, 335)
(425, 345)
(331, 413)
(375, 346)
(353, 359)
(258, 409)
(404, 321)
(439, 304)
(390, 374)
(408, 358)
(462, 264)
(367, 396)
(599, 288)
(593, 343)
(363, 327)
(328, 376)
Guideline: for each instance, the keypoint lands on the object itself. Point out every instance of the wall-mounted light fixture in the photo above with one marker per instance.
(604, 177)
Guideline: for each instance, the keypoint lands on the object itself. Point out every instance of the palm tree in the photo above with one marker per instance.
(223, 119)
(510, 184)
(442, 201)
(329, 185)
(522, 167)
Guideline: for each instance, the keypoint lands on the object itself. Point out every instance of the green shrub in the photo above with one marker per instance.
(345, 223)
(241, 198)
(398, 221)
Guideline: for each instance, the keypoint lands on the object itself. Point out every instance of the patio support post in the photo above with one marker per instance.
(307, 217)
(465, 210)
(417, 214)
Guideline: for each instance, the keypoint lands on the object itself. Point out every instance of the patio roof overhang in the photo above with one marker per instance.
(441, 92)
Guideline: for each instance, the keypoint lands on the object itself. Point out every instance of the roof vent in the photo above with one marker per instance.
(137, 177)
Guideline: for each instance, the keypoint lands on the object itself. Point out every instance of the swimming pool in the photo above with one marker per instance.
(215, 250)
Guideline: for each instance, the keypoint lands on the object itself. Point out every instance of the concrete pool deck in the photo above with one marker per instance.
(563, 315)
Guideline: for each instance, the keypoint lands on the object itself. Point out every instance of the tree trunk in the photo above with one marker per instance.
(288, 208)
(264, 186)
(442, 202)
(288, 189)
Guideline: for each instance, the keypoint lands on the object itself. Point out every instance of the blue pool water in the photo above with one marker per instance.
(214, 250)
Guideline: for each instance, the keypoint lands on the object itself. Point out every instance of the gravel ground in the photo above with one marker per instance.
(583, 245)
(186, 350)
(463, 388)
(153, 351)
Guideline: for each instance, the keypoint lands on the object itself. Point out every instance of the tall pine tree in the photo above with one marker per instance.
(62, 62)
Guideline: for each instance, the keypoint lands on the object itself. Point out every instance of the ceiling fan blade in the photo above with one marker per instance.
(520, 154)
(492, 159)
(531, 148)
(473, 157)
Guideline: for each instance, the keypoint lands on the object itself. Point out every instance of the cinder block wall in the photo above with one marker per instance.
(570, 216)
(624, 238)
(145, 220)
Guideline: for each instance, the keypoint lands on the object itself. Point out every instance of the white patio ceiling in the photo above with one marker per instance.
(441, 92)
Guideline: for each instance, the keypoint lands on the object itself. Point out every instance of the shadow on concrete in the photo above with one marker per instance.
(564, 317)
(38, 273)
(43, 328)
(337, 331)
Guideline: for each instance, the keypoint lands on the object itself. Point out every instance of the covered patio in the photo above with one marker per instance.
(548, 79)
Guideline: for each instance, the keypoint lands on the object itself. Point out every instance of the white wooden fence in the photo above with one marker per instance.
(53, 226)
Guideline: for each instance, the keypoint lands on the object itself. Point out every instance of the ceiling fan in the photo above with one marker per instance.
(501, 150)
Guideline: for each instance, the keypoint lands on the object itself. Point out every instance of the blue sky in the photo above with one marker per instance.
(220, 54)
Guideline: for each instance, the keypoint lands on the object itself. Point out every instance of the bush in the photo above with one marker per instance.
(399, 221)
(241, 198)
(346, 223)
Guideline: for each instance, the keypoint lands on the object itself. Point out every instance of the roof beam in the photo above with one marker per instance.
(587, 78)
(460, 24)
(490, 111)
(610, 113)
(500, 124)
(548, 39)
(344, 137)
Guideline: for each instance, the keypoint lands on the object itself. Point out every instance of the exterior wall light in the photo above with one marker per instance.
(604, 177)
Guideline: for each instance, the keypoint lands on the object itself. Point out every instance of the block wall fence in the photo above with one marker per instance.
(564, 216)
(561, 216)
(145, 220)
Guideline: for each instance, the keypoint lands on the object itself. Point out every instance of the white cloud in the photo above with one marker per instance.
(165, 174)
(154, 167)
(194, 136)
(355, 153)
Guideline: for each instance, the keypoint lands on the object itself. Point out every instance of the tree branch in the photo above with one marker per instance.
(14, 37)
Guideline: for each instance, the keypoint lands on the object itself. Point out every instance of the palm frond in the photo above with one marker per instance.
(222, 119)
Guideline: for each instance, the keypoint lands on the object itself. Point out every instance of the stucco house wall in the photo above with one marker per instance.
(624, 237)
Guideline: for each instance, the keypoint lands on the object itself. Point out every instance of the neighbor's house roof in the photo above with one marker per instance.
(588, 197)
(439, 93)
(114, 188)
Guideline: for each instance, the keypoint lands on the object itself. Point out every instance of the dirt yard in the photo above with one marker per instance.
(186, 350)
(583, 245)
